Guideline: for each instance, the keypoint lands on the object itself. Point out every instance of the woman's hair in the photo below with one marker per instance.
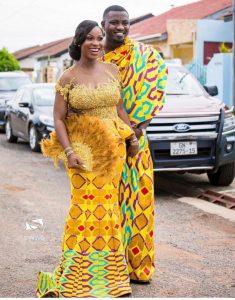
(81, 33)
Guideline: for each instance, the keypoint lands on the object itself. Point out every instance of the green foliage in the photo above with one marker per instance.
(7, 61)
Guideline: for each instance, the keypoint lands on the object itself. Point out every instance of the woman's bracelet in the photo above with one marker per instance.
(134, 142)
(133, 138)
(69, 153)
(67, 149)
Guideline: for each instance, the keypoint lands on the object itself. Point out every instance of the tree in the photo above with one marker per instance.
(7, 61)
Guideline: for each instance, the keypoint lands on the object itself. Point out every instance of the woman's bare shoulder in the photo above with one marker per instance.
(111, 68)
(66, 76)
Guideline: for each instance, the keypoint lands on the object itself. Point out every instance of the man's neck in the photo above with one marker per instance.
(110, 46)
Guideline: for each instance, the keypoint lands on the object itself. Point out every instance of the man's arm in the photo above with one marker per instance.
(141, 128)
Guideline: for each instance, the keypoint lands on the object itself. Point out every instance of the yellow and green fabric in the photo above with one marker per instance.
(143, 74)
(93, 259)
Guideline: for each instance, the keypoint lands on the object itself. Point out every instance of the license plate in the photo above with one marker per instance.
(183, 148)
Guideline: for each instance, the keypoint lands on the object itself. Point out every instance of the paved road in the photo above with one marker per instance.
(195, 250)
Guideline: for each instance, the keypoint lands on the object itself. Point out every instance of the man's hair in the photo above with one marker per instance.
(113, 8)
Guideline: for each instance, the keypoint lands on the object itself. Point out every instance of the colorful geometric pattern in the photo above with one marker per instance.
(143, 74)
(93, 262)
(137, 206)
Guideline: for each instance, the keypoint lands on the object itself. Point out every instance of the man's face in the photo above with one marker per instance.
(116, 26)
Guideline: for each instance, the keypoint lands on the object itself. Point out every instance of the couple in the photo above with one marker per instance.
(114, 88)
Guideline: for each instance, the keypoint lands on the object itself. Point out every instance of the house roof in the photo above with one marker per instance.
(49, 49)
(197, 10)
(56, 49)
(22, 53)
(60, 46)
(144, 26)
(141, 18)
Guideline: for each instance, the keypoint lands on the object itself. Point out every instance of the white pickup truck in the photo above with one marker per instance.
(194, 132)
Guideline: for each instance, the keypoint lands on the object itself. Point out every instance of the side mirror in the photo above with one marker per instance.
(24, 104)
(211, 90)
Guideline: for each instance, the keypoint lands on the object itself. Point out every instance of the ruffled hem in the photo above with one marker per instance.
(80, 276)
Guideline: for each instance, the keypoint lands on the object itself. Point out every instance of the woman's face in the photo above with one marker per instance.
(93, 45)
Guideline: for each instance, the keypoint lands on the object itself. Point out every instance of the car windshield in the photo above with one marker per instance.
(12, 83)
(181, 82)
(44, 96)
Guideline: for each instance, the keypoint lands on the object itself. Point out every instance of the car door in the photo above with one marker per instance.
(24, 112)
(12, 110)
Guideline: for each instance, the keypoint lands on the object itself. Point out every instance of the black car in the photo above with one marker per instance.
(29, 115)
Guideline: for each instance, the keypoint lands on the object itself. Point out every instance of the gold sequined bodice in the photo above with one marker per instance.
(100, 101)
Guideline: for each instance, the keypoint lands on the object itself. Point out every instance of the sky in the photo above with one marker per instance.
(26, 23)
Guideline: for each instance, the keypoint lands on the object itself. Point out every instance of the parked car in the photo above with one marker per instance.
(9, 83)
(29, 115)
(194, 132)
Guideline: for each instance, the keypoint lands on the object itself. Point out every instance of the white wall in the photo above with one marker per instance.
(27, 63)
(219, 73)
(212, 31)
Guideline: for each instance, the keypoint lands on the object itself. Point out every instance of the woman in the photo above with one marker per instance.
(92, 144)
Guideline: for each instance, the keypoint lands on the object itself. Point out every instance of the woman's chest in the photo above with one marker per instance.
(85, 97)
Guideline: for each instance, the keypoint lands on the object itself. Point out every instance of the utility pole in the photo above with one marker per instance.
(233, 53)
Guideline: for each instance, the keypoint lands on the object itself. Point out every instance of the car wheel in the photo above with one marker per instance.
(224, 176)
(34, 139)
(9, 135)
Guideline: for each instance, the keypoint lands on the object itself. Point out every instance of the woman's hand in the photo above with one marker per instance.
(132, 150)
(74, 162)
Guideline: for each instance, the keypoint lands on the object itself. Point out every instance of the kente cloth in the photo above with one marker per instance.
(93, 262)
(144, 75)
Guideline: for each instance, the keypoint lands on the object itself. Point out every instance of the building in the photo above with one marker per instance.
(44, 63)
(178, 33)
(192, 33)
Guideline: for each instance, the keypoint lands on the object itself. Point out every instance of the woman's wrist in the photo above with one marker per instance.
(134, 141)
(133, 137)
(68, 151)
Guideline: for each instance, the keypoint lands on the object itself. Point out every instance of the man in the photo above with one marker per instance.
(143, 75)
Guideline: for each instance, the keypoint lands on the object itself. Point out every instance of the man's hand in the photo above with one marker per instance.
(132, 150)
(138, 132)
(142, 126)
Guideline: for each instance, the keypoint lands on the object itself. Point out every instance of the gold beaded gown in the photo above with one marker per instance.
(93, 260)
